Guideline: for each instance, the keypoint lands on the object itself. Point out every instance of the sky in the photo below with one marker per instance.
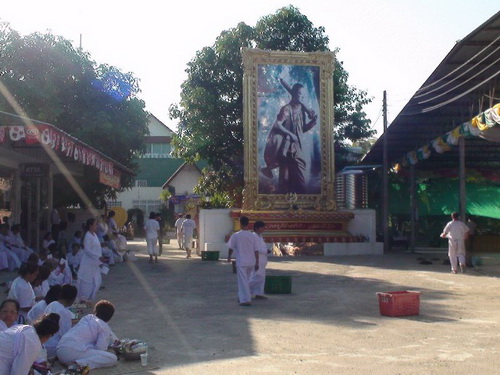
(391, 45)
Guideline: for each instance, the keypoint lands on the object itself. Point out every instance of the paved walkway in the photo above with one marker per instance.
(186, 310)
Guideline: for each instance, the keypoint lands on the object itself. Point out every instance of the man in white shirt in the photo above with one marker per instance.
(187, 228)
(456, 232)
(87, 342)
(178, 226)
(244, 245)
(258, 277)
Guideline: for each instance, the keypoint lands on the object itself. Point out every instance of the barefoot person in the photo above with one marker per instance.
(456, 232)
(258, 277)
(87, 342)
(244, 245)
(89, 274)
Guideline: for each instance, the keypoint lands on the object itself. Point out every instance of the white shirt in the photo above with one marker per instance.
(22, 291)
(37, 311)
(244, 245)
(456, 230)
(89, 333)
(3, 326)
(89, 266)
(64, 325)
(41, 291)
(54, 218)
(113, 228)
(74, 260)
(19, 348)
(188, 227)
(261, 248)
(152, 227)
(178, 224)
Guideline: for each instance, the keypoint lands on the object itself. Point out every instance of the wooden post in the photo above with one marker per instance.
(385, 181)
(413, 206)
(461, 175)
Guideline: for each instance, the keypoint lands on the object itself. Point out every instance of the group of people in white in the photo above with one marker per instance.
(36, 323)
(251, 253)
(185, 227)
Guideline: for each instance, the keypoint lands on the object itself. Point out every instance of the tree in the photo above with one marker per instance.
(210, 113)
(55, 83)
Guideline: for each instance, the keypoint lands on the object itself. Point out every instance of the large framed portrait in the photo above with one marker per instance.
(288, 121)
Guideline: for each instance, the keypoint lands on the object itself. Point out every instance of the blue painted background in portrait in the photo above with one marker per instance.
(271, 96)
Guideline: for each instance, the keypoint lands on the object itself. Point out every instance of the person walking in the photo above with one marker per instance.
(160, 233)
(178, 227)
(456, 232)
(244, 245)
(152, 227)
(187, 228)
(258, 277)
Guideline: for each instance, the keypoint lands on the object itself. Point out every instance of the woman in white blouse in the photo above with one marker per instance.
(22, 291)
(38, 310)
(89, 274)
(9, 310)
(20, 345)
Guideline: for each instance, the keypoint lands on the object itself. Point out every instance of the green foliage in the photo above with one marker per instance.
(54, 82)
(165, 195)
(217, 200)
(210, 112)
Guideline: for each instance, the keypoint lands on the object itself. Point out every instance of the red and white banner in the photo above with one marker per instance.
(59, 142)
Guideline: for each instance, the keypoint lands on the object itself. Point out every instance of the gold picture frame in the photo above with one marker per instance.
(288, 166)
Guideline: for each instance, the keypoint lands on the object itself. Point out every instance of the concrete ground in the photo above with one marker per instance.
(186, 310)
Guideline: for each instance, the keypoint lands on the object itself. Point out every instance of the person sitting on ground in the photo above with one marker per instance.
(66, 299)
(77, 238)
(20, 345)
(41, 284)
(16, 243)
(13, 261)
(74, 258)
(61, 274)
(107, 252)
(9, 313)
(47, 241)
(38, 310)
(87, 342)
(22, 291)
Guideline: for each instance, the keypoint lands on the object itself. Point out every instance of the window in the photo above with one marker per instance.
(147, 206)
(114, 203)
(141, 183)
(157, 150)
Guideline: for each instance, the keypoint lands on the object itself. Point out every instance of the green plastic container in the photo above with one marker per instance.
(210, 255)
(278, 285)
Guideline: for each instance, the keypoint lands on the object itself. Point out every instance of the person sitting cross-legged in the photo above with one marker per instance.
(87, 342)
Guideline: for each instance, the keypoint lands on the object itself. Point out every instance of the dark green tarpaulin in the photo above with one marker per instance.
(441, 197)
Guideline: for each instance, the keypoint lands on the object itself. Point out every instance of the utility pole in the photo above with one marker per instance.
(385, 180)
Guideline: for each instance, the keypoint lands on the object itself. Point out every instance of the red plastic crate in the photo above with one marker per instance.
(402, 303)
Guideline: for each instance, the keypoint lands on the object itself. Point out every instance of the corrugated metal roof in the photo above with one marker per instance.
(464, 84)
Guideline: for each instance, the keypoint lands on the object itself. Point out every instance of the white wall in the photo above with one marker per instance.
(185, 180)
(364, 223)
(158, 129)
(141, 193)
(215, 224)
